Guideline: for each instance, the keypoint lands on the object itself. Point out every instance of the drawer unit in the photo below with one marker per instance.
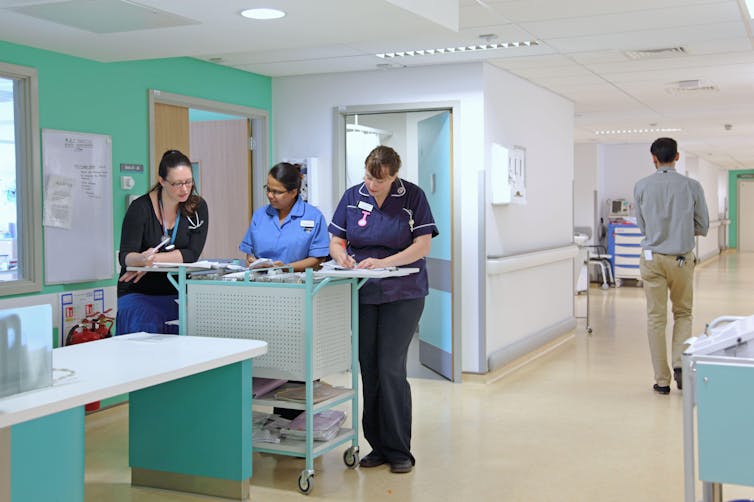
(624, 247)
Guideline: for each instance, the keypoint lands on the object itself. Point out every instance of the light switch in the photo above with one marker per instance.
(127, 182)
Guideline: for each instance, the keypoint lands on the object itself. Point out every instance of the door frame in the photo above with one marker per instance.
(339, 179)
(260, 150)
(739, 218)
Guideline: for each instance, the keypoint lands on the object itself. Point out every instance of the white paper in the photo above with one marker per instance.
(58, 203)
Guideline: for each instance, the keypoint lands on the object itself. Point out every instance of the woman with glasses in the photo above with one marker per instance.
(167, 224)
(385, 222)
(288, 230)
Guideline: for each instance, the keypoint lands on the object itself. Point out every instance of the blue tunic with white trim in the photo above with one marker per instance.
(378, 232)
(302, 234)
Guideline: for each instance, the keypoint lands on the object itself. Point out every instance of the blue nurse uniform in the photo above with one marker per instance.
(389, 309)
(303, 233)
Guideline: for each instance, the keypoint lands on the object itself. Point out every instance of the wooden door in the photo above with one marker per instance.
(220, 151)
(171, 132)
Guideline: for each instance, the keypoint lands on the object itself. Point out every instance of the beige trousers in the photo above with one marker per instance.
(661, 274)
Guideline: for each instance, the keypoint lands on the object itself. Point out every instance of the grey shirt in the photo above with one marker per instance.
(670, 211)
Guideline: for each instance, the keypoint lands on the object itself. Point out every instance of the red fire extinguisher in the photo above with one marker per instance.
(93, 327)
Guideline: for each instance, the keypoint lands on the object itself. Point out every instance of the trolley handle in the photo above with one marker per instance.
(720, 320)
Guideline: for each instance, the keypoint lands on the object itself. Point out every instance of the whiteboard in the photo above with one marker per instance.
(78, 206)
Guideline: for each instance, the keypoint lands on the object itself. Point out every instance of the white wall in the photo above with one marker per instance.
(708, 175)
(303, 126)
(512, 110)
(520, 114)
(522, 312)
(585, 183)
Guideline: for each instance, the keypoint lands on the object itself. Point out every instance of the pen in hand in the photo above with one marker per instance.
(164, 241)
(349, 260)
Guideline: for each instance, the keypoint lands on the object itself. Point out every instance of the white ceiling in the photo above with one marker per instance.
(581, 55)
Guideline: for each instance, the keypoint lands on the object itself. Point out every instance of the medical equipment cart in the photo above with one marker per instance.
(624, 247)
(718, 377)
(308, 327)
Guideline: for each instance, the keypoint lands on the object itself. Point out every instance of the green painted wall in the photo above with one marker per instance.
(733, 204)
(81, 95)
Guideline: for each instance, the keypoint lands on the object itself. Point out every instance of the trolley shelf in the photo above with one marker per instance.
(297, 447)
(343, 395)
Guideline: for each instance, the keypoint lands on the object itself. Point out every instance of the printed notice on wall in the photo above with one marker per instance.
(78, 206)
(58, 202)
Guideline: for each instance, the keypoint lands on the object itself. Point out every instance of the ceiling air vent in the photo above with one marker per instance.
(683, 87)
(666, 52)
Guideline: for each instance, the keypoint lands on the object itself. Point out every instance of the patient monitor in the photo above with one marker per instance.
(618, 208)
(25, 349)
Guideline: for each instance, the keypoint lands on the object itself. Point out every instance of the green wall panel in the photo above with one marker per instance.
(112, 98)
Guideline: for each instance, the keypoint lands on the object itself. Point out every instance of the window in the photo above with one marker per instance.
(20, 182)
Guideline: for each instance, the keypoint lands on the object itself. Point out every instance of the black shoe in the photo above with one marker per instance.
(401, 467)
(372, 460)
(662, 389)
(678, 377)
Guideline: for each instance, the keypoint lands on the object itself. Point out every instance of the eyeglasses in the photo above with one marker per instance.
(180, 184)
(274, 193)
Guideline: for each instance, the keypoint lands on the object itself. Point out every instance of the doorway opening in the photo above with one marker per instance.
(229, 148)
(423, 137)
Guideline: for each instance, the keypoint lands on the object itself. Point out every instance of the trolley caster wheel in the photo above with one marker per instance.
(618, 283)
(305, 482)
(351, 457)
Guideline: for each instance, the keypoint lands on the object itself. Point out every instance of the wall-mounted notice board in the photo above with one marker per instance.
(78, 206)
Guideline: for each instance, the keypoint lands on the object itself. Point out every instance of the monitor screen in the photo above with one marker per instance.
(617, 207)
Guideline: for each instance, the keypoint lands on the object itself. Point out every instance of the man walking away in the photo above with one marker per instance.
(670, 211)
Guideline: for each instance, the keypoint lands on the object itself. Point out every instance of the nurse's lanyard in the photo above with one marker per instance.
(170, 246)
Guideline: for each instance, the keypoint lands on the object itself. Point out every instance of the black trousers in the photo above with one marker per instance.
(385, 332)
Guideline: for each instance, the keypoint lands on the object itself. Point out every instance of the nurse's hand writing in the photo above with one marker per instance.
(371, 263)
(345, 261)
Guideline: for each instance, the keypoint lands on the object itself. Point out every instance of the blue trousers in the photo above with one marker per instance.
(148, 313)
(385, 332)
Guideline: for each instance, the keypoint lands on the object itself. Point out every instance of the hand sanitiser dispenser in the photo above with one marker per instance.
(25, 349)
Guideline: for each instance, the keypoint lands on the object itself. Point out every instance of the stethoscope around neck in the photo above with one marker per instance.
(171, 245)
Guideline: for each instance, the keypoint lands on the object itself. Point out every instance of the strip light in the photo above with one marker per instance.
(462, 48)
(638, 131)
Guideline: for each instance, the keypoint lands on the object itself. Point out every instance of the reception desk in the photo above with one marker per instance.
(189, 416)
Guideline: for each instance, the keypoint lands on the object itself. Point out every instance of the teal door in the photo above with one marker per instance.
(436, 325)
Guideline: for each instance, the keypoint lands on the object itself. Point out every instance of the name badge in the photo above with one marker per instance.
(366, 206)
(648, 254)
(307, 223)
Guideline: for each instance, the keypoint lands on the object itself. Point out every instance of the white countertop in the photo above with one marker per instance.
(117, 365)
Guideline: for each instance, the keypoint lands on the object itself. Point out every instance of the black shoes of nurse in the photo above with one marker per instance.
(662, 389)
(375, 459)
(678, 377)
(401, 467)
(372, 460)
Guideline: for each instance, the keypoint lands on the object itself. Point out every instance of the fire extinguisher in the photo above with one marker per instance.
(92, 327)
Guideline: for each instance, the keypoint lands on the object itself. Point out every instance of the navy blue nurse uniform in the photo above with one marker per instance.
(389, 309)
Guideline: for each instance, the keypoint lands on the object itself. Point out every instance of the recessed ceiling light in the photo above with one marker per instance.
(263, 13)
(462, 48)
(638, 131)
